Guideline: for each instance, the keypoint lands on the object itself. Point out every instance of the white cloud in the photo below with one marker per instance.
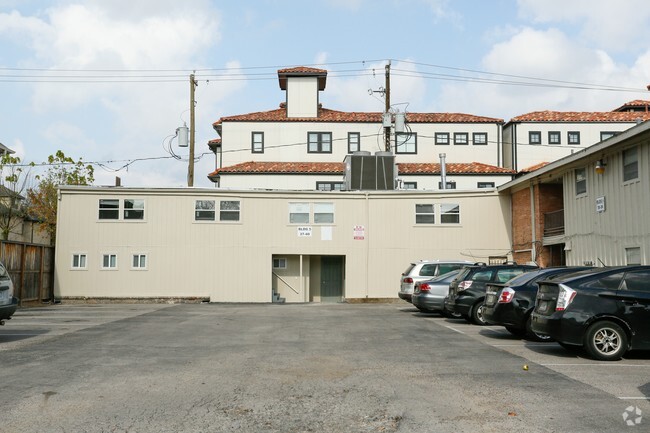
(549, 55)
(615, 26)
(352, 94)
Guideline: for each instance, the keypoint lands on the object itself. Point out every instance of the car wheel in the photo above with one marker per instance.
(517, 332)
(450, 315)
(477, 314)
(606, 341)
(534, 336)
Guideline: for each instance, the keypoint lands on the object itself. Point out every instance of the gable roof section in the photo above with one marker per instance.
(327, 115)
(582, 116)
(636, 106)
(338, 168)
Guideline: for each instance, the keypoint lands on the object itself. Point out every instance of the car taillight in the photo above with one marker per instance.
(564, 298)
(408, 280)
(464, 285)
(506, 295)
(424, 287)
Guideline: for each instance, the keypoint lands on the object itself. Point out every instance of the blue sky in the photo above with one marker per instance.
(108, 80)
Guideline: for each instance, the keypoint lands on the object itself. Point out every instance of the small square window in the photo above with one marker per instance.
(299, 213)
(109, 261)
(604, 135)
(406, 142)
(109, 209)
(133, 209)
(460, 138)
(229, 210)
(479, 138)
(410, 185)
(449, 214)
(329, 186)
(485, 184)
(442, 138)
(554, 137)
(139, 261)
(323, 213)
(449, 185)
(319, 142)
(204, 210)
(78, 261)
(280, 263)
(424, 214)
(573, 137)
(534, 137)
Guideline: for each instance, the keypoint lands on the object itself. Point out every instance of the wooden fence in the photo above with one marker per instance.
(31, 267)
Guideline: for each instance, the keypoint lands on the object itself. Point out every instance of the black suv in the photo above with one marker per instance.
(467, 291)
(510, 304)
(605, 310)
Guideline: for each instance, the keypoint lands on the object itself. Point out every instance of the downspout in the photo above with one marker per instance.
(443, 171)
(533, 244)
(515, 166)
(499, 145)
(367, 241)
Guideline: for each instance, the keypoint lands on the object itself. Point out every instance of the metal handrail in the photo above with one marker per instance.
(287, 284)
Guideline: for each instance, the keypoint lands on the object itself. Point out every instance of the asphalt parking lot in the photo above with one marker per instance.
(300, 368)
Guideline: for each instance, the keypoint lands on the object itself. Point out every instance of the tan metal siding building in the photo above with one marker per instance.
(360, 241)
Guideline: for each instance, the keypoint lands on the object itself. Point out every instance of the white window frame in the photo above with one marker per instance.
(140, 258)
(323, 212)
(298, 211)
(138, 209)
(204, 212)
(223, 212)
(108, 210)
(79, 266)
(112, 264)
(425, 211)
(633, 256)
(447, 210)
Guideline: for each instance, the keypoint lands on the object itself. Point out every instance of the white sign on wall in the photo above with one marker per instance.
(359, 233)
(600, 204)
(304, 232)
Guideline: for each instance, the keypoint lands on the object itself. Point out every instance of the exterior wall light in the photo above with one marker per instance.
(600, 166)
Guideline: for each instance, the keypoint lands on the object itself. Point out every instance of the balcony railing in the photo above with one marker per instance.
(554, 223)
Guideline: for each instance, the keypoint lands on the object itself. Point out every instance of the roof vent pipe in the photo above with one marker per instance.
(443, 171)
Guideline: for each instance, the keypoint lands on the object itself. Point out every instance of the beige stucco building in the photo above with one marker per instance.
(248, 246)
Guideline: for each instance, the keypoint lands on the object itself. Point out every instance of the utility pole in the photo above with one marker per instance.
(387, 112)
(190, 167)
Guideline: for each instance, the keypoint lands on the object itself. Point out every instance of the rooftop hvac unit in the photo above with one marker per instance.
(370, 172)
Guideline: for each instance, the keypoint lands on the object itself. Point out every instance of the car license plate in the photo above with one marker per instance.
(491, 299)
(4, 295)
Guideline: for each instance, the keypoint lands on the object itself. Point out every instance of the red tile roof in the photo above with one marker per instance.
(302, 70)
(582, 116)
(327, 115)
(253, 167)
(452, 168)
(636, 104)
(534, 167)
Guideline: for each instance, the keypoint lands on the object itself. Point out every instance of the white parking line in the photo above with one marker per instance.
(634, 398)
(454, 329)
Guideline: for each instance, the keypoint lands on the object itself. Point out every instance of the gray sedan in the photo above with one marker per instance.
(429, 296)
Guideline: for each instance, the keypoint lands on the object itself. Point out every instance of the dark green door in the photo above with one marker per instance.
(331, 278)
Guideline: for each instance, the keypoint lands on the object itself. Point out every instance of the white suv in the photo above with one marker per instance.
(8, 302)
(425, 270)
